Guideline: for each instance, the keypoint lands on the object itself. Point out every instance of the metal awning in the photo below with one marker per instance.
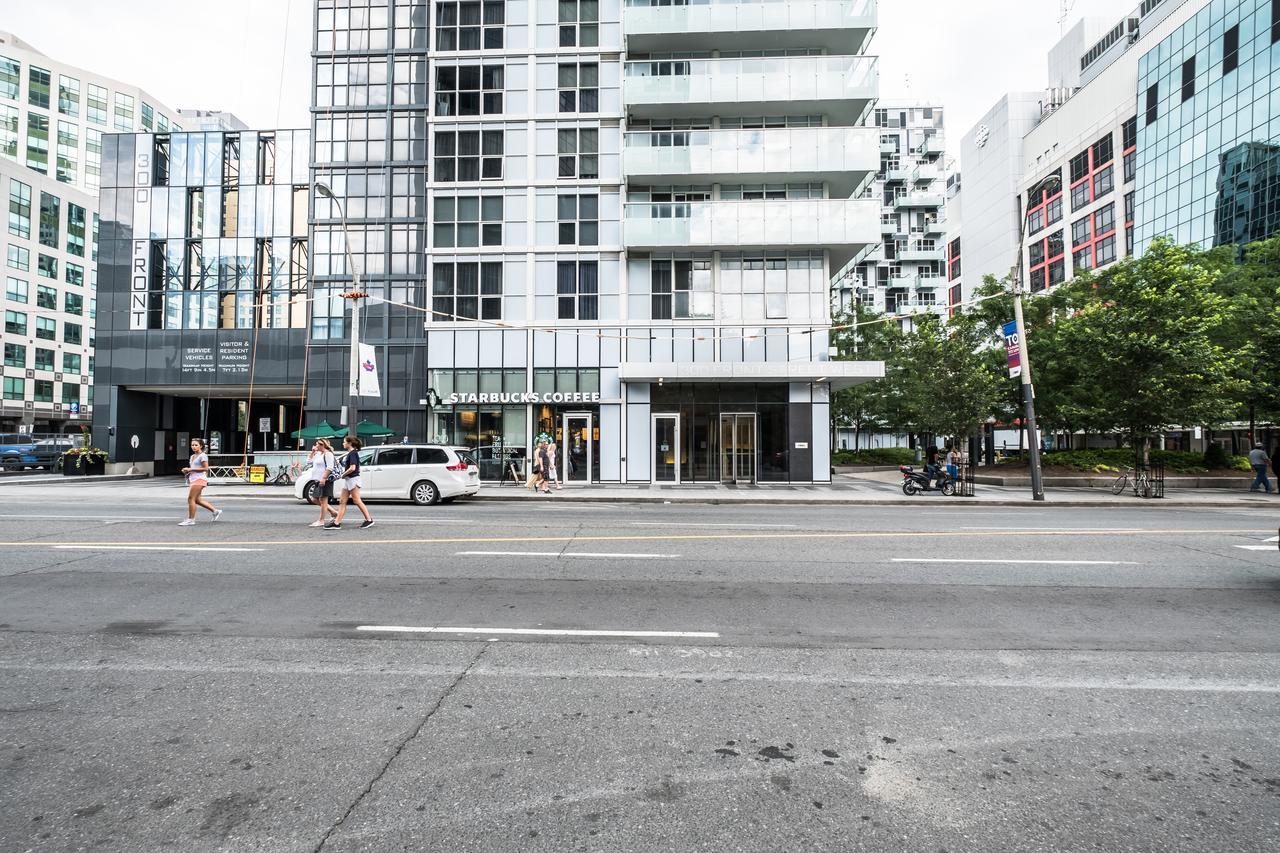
(839, 374)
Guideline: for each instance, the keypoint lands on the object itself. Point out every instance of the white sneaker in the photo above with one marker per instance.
(189, 522)
(217, 514)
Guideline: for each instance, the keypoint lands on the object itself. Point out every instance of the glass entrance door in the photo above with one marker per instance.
(577, 450)
(737, 448)
(666, 449)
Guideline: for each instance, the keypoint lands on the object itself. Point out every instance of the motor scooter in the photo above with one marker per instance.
(914, 482)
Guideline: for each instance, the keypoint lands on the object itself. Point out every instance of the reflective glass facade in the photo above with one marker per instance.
(1209, 126)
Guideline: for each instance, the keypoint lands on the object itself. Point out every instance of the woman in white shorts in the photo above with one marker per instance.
(350, 485)
(197, 473)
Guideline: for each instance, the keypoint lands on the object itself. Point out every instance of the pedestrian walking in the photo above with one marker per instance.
(953, 463)
(323, 461)
(1258, 459)
(197, 473)
(543, 467)
(553, 470)
(350, 482)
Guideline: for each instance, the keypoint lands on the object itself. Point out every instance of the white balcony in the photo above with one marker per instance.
(917, 200)
(904, 280)
(918, 255)
(845, 226)
(898, 173)
(927, 173)
(842, 156)
(935, 227)
(839, 26)
(839, 87)
(931, 147)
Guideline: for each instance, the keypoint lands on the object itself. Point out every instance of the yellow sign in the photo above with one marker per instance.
(257, 474)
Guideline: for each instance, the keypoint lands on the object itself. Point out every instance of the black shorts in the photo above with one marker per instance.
(324, 489)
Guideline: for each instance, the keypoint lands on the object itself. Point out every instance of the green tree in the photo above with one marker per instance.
(1251, 329)
(862, 335)
(1144, 334)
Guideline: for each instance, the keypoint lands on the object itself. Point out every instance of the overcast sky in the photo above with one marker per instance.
(227, 54)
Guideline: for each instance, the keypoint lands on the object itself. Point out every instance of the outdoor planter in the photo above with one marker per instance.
(90, 466)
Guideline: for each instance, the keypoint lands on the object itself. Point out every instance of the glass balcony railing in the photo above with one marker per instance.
(841, 87)
(840, 155)
(840, 26)
(843, 225)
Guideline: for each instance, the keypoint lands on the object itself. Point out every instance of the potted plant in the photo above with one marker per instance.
(82, 461)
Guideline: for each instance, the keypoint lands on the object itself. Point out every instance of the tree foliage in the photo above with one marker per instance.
(863, 335)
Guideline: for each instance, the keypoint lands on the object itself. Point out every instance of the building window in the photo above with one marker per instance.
(15, 355)
(19, 209)
(19, 258)
(44, 359)
(470, 26)
(15, 388)
(1188, 79)
(73, 303)
(15, 290)
(9, 132)
(469, 90)
(70, 393)
(577, 290)
(468, 221)
(75, 274)
(44, 390)
(1275, 21)
(466, 291)
(681, 289)
(68, 152)
(1104, 220)
(50, 207)
(71, 333)
(579, 220)
(15, 323)
(75, 229)
(92, 157)
(1106, 250)
(1231, 50)
(68, 95)
(1080, 195)
(46, 297)
(38, 87)
(1103, 182)
(38, 143)
(46, 329)
(1103, 152)
(148, 116)
(95, 105)
(579, 150)
(47, 266)
(124, 112)
(1080, 233)
(1153, 103)
(70, 362)
(579, 87)
(468, 155)
(1046, 262)
(579, 23)
(1128, 208)
(10, 78)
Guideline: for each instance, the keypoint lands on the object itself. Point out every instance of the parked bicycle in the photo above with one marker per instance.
(1137, 478)
(287, 474)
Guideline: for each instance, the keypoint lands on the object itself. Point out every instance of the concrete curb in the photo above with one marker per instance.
(1024, 502)
(63, 479)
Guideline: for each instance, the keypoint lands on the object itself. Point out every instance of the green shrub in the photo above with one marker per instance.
(1215, 456)
(1103, 460)
(875, 456)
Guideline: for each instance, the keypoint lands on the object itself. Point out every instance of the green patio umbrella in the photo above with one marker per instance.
(324, 429)
(366, 429)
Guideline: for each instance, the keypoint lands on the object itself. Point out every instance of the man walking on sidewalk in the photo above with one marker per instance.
(1258, 459)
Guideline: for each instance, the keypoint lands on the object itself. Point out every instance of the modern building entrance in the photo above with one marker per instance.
(577, 448)
(666, 449)
(737, 448)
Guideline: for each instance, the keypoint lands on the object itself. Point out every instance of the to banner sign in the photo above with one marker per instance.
(1013, 348)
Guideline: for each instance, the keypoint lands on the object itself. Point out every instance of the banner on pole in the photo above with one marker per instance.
(368, 367)
(1013, 348)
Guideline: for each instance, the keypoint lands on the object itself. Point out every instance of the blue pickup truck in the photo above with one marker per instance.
(14, 446)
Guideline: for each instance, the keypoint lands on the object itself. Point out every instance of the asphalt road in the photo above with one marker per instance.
(503, 677)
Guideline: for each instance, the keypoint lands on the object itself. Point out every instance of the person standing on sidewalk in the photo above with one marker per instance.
(553, 472)
(197, 472)
(1258, 459)
(322, 474)
(351, 485)
(543, 459)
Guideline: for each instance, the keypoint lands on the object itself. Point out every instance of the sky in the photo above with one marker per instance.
(251, 57)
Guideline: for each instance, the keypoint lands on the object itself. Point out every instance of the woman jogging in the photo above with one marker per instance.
(351, 485)
(197, 478)
(322, 464)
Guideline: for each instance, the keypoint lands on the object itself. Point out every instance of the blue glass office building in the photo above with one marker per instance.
(1209, 128)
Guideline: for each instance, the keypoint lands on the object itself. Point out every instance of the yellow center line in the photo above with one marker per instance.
(319, 539)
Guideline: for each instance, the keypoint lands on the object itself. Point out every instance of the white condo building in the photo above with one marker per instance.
(52, 120)
(904, 274)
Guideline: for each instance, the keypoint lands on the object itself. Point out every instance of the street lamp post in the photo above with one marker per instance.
(1028, 390)
(355, 295)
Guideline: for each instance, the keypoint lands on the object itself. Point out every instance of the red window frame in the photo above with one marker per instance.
(953, 259)
(1095, 237)
(1094, 168)
(1038, 279)
(1040, 203)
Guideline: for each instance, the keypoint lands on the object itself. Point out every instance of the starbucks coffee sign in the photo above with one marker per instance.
(525, 397)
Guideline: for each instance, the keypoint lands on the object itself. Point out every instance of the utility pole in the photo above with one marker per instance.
(1028, 390)
(354, 295)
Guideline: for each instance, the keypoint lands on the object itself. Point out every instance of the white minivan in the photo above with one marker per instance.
(422, 473)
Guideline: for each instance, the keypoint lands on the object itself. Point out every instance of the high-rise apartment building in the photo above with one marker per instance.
(53, 118)
(1208, 118)
(905, 273)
